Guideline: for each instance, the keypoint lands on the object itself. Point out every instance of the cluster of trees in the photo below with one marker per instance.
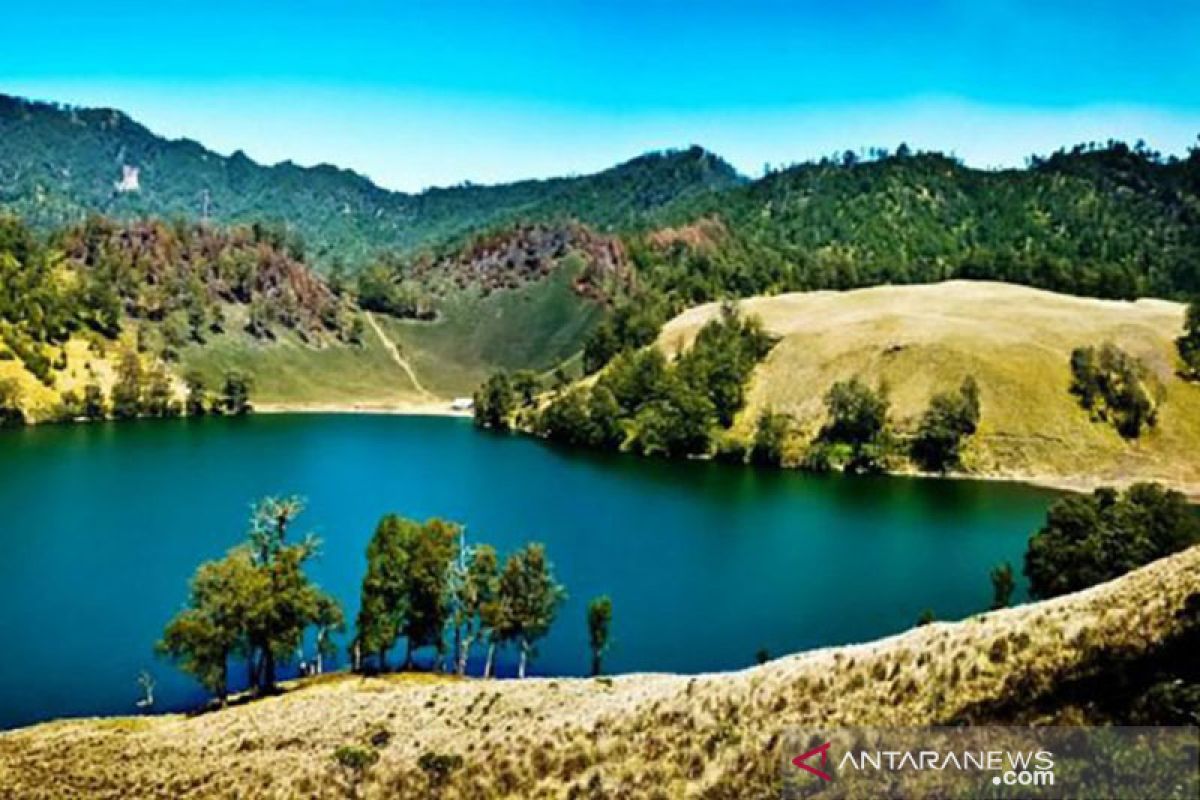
(138, 391)
(856, 436)
(256, 604)
(424, 584)
(1089, 539)
(633, 324)
(1189, 343)
(503, 398)
(644, 404)
(180, 277)
(950, 418)
(423, 581)
(1116, 387)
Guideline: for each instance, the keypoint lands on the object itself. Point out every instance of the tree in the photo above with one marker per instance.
(771, 435)
(479, 589)
(127, 389)
(529, 599)
(383, 606)
(159, 396)
(328, 620)
(857, 414)
(566, 418)
(951, 417)
(604, 418)
(433, 550)
(1189, 343)
(93, 402)
(494, 402)
(599, 621)
(70, 407)
(197, 402)
(526, 385)
(213, 627)
(291, 604)
(1003, 584)
(1088, 539)
(10, 403)
(235, 393)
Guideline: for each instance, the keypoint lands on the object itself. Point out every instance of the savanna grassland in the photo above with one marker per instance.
(1016, 343)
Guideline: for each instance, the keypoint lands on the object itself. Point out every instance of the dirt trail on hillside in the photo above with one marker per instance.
(394, 352)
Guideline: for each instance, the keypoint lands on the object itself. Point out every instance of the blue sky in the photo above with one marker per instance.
(419, 94)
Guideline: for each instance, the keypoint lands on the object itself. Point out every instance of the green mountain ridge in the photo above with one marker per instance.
(59, 164)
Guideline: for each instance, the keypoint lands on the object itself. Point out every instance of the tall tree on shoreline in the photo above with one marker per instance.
(255, 602)
(599, 622)
(479, 588)
(529, 600)
(384, 601)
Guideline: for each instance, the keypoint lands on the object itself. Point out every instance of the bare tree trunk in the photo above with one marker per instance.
(408, 655)
(595, 664)
(463, 654)
(524, 658)
(268, 669)
(458, 646)
(487, 665)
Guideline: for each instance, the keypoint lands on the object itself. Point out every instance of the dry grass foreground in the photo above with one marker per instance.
(1017, 343)
(635, 736)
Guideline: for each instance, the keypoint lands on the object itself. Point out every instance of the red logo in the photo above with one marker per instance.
(824, 751)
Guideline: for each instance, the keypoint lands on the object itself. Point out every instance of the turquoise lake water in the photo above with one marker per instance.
(101, 526)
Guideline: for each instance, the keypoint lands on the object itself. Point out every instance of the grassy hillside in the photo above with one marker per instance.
(57, 164)
(1015, 341)
(534, 326)
(634, 736)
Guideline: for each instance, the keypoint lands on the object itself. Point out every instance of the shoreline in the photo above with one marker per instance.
(443, 408)
(1073, 484)
(413, 409)
(1064, 483)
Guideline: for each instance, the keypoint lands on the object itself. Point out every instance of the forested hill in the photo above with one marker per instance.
(58, 164)
(1102, 220)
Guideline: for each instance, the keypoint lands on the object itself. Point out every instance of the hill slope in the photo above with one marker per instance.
(636, 736)
(58, 164)
(1106, 221)
(1015, 341)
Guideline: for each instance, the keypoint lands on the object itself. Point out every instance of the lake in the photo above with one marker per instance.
(101, 526)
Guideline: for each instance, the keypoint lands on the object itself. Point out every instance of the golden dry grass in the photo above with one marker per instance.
(635, 736)
(1016, 341)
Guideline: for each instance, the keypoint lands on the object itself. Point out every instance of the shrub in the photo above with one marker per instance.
(1114, 386)
(1189, 343)
(951, 417)
(438, 767)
